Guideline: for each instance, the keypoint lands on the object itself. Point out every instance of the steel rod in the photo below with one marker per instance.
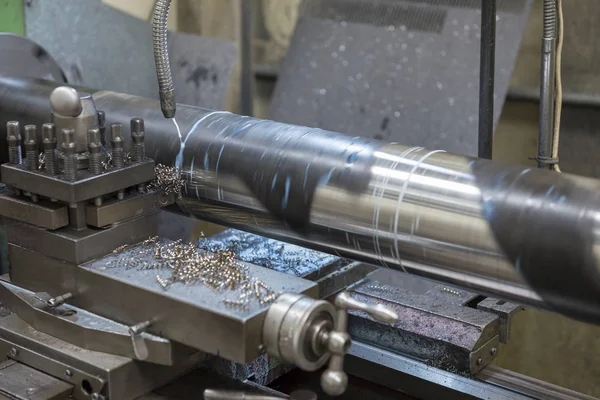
(524, 234)
(486, 78)
(247, 57)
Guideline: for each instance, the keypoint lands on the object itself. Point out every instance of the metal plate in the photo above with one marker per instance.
(86, 187)
(132, 295)
(104, 372)
(20, 382)
(87, 330)
(415, 83)
(21, 57)
(273, 254)
(121, 58)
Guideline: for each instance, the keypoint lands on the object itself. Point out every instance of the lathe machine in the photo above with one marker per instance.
(97, 304)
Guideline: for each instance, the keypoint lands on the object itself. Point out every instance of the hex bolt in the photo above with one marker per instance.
(479, 361)
(31, 148)
(102, 127)
(13, 352)
(95, 149)
(49, 144)
(13, 136)
(493, 351)
(68, 373)
(68, 149)
(118, 156)
(138, 152)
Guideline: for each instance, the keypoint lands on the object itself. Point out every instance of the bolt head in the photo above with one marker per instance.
(479, 361)
(493, 351)
(13, 352)
(68, 373)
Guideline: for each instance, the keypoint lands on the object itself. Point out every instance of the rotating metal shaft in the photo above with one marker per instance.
(524, 234)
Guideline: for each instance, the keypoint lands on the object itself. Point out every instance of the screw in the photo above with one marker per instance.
(13, 136)
(49, 144)
(479, 361)
(13, 352)
(31, 149)
(493, 351)
(68, 148)
(68, 373)
(262, 349)
(95, 149)
(98, 396)
(137, 137)
(118, 156)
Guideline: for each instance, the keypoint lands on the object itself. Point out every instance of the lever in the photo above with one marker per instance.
(334, 380)
(139, 344)
(53, 302)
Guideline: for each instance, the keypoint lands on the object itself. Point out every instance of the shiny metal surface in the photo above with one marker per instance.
(527, 235)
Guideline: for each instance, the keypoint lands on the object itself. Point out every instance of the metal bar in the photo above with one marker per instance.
(486, 78)
(247, 57)
(521, 234)
(548, 85)
(528, 386)
(418, 379)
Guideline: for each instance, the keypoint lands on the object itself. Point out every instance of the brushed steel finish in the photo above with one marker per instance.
(523, 234)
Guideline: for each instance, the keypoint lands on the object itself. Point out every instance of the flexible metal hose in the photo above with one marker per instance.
(548, 86)
(550, 19)
(160, 17)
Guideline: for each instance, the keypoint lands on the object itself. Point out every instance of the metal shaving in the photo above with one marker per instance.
(41, 162)
(219, 271)
(168, 181)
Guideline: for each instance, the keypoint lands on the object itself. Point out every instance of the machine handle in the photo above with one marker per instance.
(334, 380)
(53, 302)
(137, 340)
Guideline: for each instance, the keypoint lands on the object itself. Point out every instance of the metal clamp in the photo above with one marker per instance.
(212, 394)
(307, 332)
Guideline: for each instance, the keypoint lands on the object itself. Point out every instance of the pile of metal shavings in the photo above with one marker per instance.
(189, 264)
(268, 253)
(168, 181)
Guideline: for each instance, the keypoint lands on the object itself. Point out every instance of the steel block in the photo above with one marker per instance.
(79, 246)
(44, 214)
(119, 210)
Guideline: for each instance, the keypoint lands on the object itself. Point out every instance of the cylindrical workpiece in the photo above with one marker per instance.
(528, 235)
(31, 148)
(68, 148)
(13, 137)
(137, 140)
(118, 153)
(49, 144)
